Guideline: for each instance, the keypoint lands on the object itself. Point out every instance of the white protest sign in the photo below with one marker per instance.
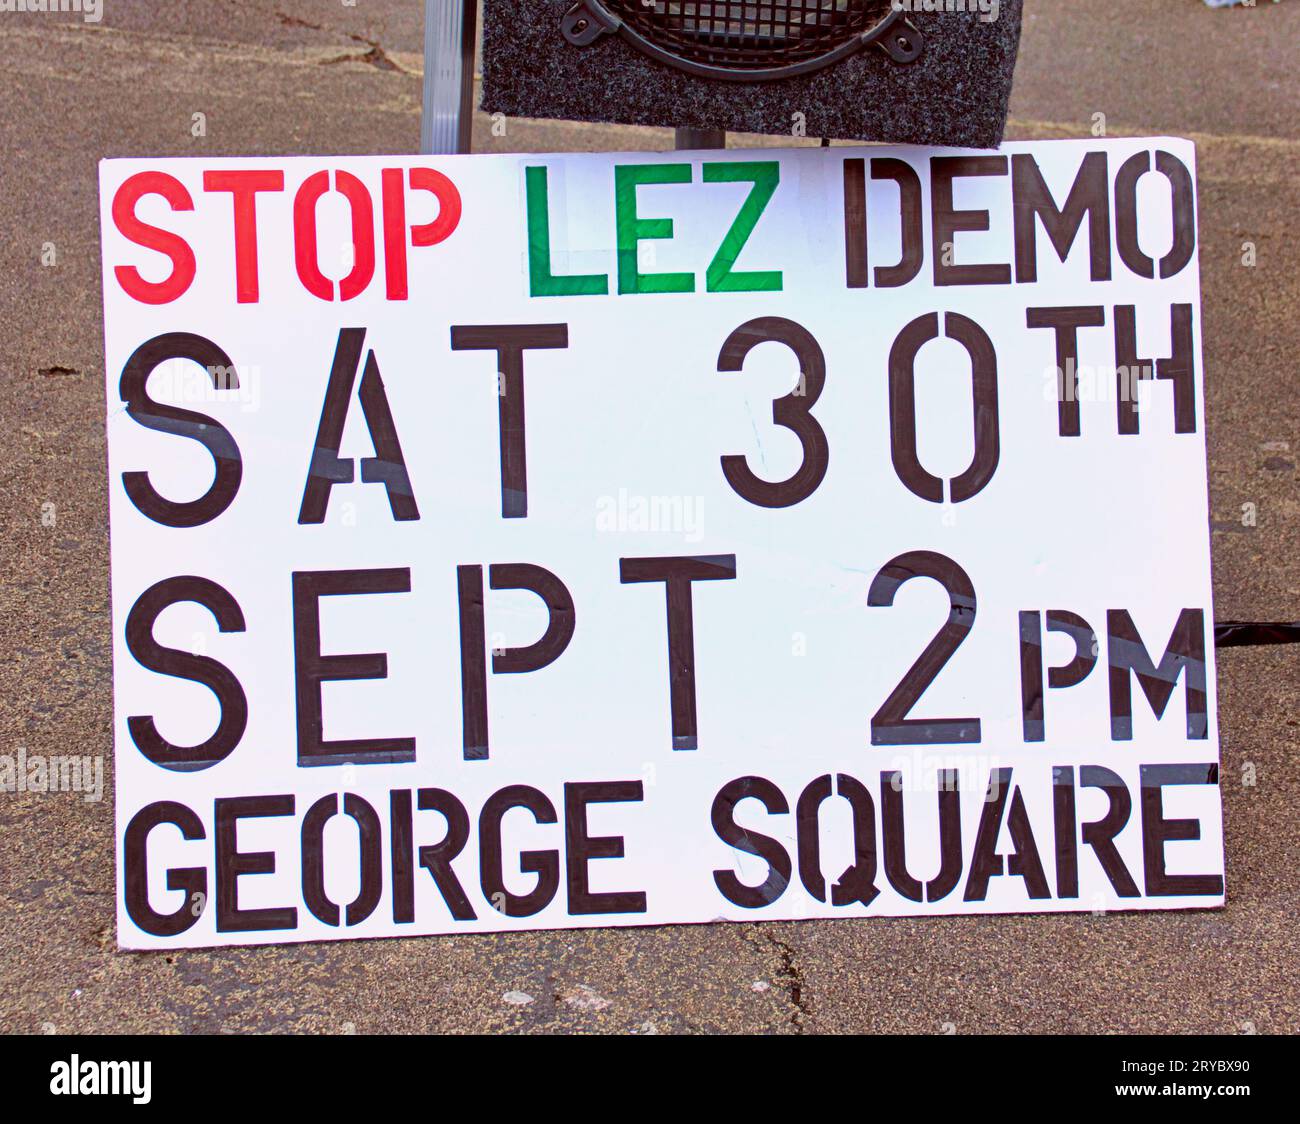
(512, 542)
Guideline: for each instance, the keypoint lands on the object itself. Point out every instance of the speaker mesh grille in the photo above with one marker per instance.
(750, 34)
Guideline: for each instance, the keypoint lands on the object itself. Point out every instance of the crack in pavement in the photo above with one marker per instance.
(376, 56)
(789, 977)
(294, 21)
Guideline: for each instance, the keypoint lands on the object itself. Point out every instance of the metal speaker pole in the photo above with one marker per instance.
(450, 30)
(701, 138)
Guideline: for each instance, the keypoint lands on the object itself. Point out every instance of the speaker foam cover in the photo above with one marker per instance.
(955, 93)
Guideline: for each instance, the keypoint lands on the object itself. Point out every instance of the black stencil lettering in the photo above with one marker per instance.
(857, 883)
(1100, 834)
(386, 467)
(560, 620)
(313, 859)
(1126, 217)
(1184, 655)
(895, 837)
(311, 668)
(544, 864)
(723, 817)
(677, 574)
(193, 880)
(510, 341)
(791, 411)
(890, 724)
(1064, 823)
(1065, 323)
(946, 221)
(855, 223)
(1178, 368)
(986, 863)
(580, 848)
(400, 854)
(507, 661)
(902, 406)
(218, 678)
(1089, 195)
(473, 663)
(1184, 205)
(232, 864)
(436, 859)
(1031, 663)
(1157, 831)
(164, 418)
(912, 223)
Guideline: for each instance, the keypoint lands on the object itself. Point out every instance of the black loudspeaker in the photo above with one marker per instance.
(906, 71)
